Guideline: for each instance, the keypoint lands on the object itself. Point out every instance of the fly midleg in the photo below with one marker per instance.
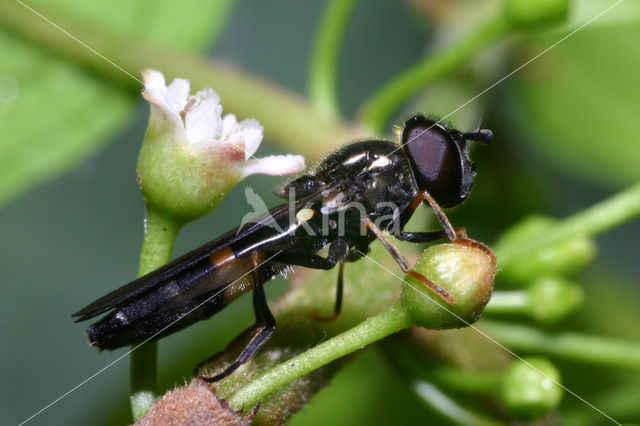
(337, 307)
(404, 265)
(338, 253)
(260, 332)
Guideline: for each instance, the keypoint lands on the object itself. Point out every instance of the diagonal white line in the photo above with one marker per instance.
(492, 340)
(79, 41)
(260, 160)
(368, 257)
(140, 344)
(511, 73)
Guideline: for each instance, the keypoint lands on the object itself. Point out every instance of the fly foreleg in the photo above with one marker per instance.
(442, 218)
(425, 237)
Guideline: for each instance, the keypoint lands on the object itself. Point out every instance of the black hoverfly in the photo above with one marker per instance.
(343, 204)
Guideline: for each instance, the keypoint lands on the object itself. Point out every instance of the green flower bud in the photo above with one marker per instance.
(562, 258)
(465, 269)
(531, 392)
(191, 155)
(533, 13)
(551, 299)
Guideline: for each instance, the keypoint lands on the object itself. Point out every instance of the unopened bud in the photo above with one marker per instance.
(465, 270)
(561, 258)
(530, 387)
(552, 298)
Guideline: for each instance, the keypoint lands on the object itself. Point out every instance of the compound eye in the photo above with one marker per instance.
(435, 159)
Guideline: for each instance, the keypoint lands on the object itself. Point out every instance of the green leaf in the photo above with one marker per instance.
(578, 104)
(54, 113)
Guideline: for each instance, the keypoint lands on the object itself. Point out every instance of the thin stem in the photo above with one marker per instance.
(508, 302)
(600, 217)
(389, 321)
(573, 346)
(467, 381)
(412, 364)
(160, 233)
(448, 407)
(377, 110)
(323, 71)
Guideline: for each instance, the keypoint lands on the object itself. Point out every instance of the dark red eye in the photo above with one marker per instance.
(439, 161)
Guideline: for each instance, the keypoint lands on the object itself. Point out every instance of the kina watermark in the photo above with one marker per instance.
(327, 214)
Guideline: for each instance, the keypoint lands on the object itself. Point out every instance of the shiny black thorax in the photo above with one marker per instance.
(369, 177)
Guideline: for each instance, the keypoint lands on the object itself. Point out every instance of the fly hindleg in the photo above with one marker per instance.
(259, 333)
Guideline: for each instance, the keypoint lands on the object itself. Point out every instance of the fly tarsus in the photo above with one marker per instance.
(444, 294)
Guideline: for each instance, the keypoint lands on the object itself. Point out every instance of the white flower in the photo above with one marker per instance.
(196, 120)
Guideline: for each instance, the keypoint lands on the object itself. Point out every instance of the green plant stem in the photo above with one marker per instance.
(448, 407)
(508, 302)
(389, 321)
(619, 401)
(598, 218)
(377, 110)
(573, 346)
(413, 364)
(467, 381)
(160, 233)
(287, 118)
(323, 71)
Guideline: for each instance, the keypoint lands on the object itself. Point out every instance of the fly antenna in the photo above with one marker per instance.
(480, 135)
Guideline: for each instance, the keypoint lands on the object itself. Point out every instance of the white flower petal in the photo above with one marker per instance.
(155, 92)
(251, 133)
(251, 123)
(203, 122)
(229, 123)
(177, 94)
(252, 139)
(198, 119)
(153, 80)
(275, 165)
(155, 88)
(208, 94)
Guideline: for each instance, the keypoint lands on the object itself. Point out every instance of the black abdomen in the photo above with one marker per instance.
(191, 295)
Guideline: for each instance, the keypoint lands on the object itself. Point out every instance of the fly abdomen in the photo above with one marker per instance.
(192, 295)
(151, 316)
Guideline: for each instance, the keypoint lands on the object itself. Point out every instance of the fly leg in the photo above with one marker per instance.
(338, 252)
(260, 332)
(425, 237)
(352, 256)
(404, 265)
(338, 304)
(235, 346)
(455, 235)
(449, 231)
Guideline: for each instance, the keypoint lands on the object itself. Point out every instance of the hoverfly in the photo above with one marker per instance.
(359, 191)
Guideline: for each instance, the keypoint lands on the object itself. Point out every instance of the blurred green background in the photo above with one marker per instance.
(71, 219)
